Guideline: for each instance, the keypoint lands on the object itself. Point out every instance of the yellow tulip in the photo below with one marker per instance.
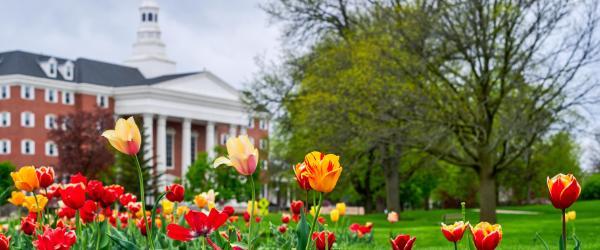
(25, 179)
(101, 217)
(125, 137)
(256, 212)
(167, 207)
(33, 206)
(570, 216)
(243, 156)
(334, 215)
(182, 210)
(17, 198)
(211, 205)
(312, 211)
(324, 170)
(341, 207)
(200, 201)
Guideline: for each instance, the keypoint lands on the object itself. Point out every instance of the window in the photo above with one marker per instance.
(4, 147)
(50, 121)
(67, 70)
(223, 139)
(27, 119)
(27, 92)
(52, 69)
(68, 97)
(51, 149)
(262, 144)
(194, 147)
(51, 95)
(262, 124)
(251, 123)
(5, 119)
(143, 17)
(27, 147)
(155, 17)
(170, 143)
(150, 17)
(102, 101)
(4, 92)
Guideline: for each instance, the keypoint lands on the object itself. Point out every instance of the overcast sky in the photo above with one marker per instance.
(221, 36)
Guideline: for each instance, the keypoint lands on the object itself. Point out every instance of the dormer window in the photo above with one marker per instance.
(67, 70)
(50, 67)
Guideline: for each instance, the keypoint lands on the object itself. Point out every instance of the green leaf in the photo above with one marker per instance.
(539, 237)
(302, 230)
(121, 240)
(561, 244)
(577, 243)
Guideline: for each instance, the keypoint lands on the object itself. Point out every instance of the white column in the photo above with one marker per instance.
(210, 139)
(148, 136)
(243, 130)
(232, 130)
(186, 147)
(161, 148)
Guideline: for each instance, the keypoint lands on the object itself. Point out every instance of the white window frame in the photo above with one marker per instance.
(4, 114)
(31, 146)
(170, 132)
(251, 123)
(64, 97)
(262, 144)
(50, 121)
(24, 115)
(263, 124)
(194, 147)
(4, 92)
(5, 142)
(99, 99)
(47, 96)
(24, 88)
(48, 145)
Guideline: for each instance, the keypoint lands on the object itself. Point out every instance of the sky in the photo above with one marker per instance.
(223, 37)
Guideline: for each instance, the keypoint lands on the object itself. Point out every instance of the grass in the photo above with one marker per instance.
(518, 230)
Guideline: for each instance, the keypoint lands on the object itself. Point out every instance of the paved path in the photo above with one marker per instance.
(503, 211)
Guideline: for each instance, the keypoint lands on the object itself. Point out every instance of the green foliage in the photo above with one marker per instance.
(202, 176)
(591, 188)
(6, 182)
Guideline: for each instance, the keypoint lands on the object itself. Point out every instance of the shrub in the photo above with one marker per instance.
(6, 182)
(591, 188)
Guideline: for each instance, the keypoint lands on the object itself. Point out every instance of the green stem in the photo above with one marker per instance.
(98, 235)
(306, 205)
(153, 213)
(39, 212)
(78, 228)
(204, 243)
(251, 213)
(564, 230)
(455, 246)
(143, 200)
(312, 227)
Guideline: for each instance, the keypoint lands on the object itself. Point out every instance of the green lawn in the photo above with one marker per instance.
(518, 230)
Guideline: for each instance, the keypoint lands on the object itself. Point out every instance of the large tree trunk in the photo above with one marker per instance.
(392, 199)
(487, 194)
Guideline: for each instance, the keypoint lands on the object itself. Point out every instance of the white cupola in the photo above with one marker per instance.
(149, 54)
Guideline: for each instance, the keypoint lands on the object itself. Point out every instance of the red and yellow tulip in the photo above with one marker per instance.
(454, 232)
(126, 137)
(486, 236)
(324, 170)
(564, 190)
(242, 155)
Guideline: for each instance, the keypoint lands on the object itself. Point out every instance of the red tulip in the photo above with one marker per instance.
(321, 220)
(175, 192)
(110, 195)
(53, 191)
(403, 242)
(127, 198)
(28, 225)
(73, 195)
(361, 230)
(296, 206)
(67, 212)
(134, 207)
(78, 178)
(55, 239)
(88, 211)
(141, 224)
(486, 236)
(246, 216)
(285, 218)
(320, 242)
(95, 190)
(454, 232)
(45, 176)
(229, 210)
(296, 217)
(200, 225)
(301, 173)
(564, 190)
(4, 242)
(282, 229)
(257, 219)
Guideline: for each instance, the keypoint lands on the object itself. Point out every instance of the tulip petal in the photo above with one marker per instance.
(179, 233)
(570, 194)
(222, 161)
(449, 235)
(410, 243)
(115, 141)
(134, 131)
(491, 240)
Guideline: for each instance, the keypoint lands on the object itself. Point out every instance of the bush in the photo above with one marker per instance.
(591, 188)
(6, 182)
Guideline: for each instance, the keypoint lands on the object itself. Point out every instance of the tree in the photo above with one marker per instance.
(81, 146)
(6, 183)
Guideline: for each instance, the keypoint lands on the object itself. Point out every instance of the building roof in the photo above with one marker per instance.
(86, 70)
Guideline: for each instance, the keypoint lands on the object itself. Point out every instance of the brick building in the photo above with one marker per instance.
(186, 112)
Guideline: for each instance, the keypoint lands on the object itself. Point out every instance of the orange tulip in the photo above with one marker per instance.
(486, 236)
(323, 171)
(17, 198)
(454, 232)
(26, 179)
(243, 156)
(564, 190)
(302, 176)
(125, 137)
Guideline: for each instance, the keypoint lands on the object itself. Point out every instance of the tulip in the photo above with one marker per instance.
(454, 232)
(334, 215)
(251, 209)
(486, 236)
(229, 210)
(302, 176)
(127, 198)
(361, 230)
(312, 211)
(233, 219)
(59, 238)
(53, 191)
(182, 210)
(282, 229)
(564, 190)
(73, 195)
(88, 211)
(111, 194)
(246, 217)
(35, 204)
(78, 178)
(134, 207)
(66, 212)
(26, 179)
(201, 225)
(126, 137)
(285, 218)
(323, 240)
(243, 156)
(200, 201)
(296, 207)
(570, 216)
(45, 176)
(167, 207)
(392, 217)
(175, 192)
(95, 190)
(4, 242)
(323, 171)
(341, 207)
(17, 198)
(403, 242)
(28, 225)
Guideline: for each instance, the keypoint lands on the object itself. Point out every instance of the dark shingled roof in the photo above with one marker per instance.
(86, 70)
